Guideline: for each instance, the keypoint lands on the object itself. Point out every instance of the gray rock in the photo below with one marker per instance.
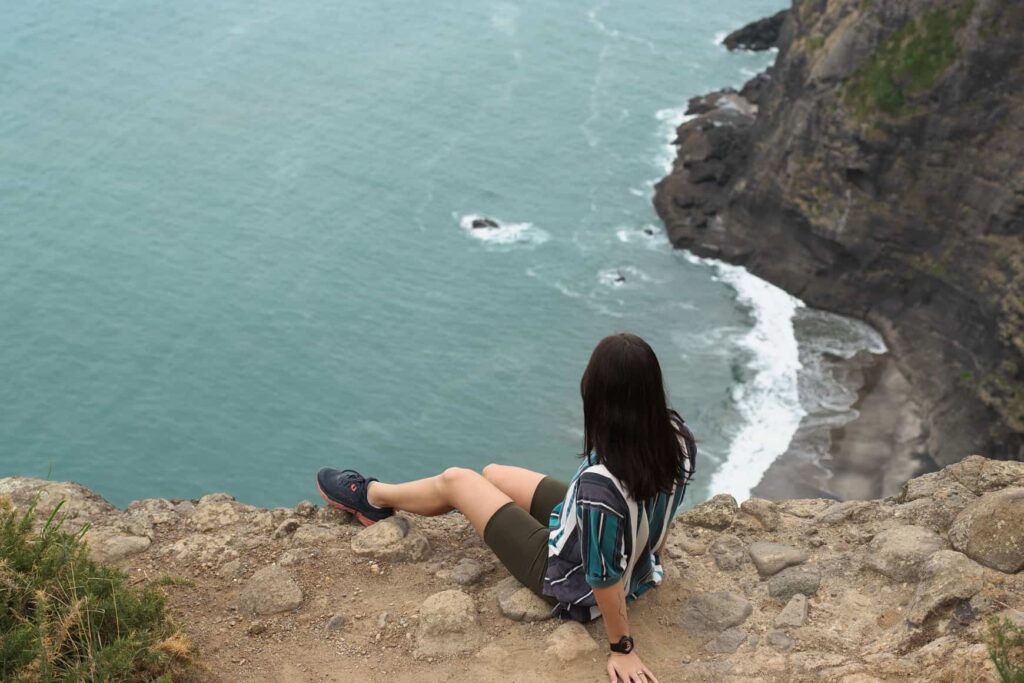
(728, 551)
(286, 528)
(717, 513)
(710, 613)
(231, 569)
(771, 558)
(898, 552)
(382, 619)
(78, 504)
(693, 546)
(570, 641)
(726, 642)
(794, 614)
(792, 580)
(780, 640)
(981, 475)
(764, 511)
(805, 508)
(858, 511)
(946, 576)
(466, 572)
(271, 590)
(105, 547)
(336, 623)
(990, 530)
(447, 625)
(392, 539)
(519, 603)
(938, 510)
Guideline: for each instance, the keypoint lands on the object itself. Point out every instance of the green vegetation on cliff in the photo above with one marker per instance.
(65, 618)
(1006, 647)
(908, 63)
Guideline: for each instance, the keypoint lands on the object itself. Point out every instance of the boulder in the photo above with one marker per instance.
(946, 576)
(728, 551)
(717, 513)
(771, 558)
(519, 603)
(898, 552)
(990, 530)
(447, 625)
(757, 35)
(937, 510)
(982, 475)
(707, 614)
(764, 511)
(570, 641)
(392, 539)
(792, 580)
(78, 504)
(271, 590)
(794, 614)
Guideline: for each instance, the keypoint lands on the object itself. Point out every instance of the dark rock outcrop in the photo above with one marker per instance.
(874, 171)
(762, 34)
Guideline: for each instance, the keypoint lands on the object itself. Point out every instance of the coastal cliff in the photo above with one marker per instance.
(900, 589)
(874, 170)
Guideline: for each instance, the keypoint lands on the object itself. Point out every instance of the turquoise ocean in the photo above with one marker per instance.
(236, 242)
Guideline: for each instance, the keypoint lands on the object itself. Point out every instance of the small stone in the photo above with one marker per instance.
(764, 511)
(447, 625)
(467, 572)
(709, 613)
(780, 640)
(382, 619)
(727, 641)
(990, 530)
(771, 558)
(898, 552)
(305, 509)
(717, 513)
(391, 539)
(230, 570)
(269, 591)
(286, 528)
(728, 551)
(794, 614)
(693, 546)
(570, 641)
(256, 628)
(336, 623)
(792, 580)
(519, 603)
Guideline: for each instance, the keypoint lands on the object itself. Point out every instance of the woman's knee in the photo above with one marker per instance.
(453, 475)
(491, 472)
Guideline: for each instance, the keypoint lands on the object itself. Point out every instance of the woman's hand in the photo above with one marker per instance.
(628, 669)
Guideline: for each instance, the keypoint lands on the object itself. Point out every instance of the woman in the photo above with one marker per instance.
(591, 546)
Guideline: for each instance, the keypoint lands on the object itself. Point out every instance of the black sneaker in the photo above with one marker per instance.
(346, 490)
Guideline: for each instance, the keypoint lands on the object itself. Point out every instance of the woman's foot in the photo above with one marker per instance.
(346, 490)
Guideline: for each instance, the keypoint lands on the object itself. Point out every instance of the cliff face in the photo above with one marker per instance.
(875, 170)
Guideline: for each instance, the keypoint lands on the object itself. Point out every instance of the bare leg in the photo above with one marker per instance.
(518, 483)
(455, 488)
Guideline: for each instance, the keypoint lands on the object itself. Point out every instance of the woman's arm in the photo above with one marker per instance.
(621, 667)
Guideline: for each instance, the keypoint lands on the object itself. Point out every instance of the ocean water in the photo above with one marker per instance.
(237, 244)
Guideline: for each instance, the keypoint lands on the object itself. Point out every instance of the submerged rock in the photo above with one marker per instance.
(481, 223)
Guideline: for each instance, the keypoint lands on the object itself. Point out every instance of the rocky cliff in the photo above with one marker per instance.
(899, 589)
(875, 170)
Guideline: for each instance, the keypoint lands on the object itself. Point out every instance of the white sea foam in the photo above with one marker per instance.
(719, 37)
(505, 233)
(648, 235)
(670, 118)
(624, 276)
(769, 400)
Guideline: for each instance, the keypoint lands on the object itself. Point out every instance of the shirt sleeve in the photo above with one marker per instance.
(602, 517)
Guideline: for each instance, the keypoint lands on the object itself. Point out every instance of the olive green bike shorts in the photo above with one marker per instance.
(520, 538)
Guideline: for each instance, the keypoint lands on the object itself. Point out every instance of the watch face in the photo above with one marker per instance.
(627, 646)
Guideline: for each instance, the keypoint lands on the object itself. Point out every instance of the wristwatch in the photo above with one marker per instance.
(623, 647)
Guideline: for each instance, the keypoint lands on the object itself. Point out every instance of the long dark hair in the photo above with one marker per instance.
(625, 417)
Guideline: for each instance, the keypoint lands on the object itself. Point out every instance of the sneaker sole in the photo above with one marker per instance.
(366, 521)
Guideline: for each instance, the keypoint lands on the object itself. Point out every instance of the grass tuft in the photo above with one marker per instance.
(1006, 648)
(64, 617)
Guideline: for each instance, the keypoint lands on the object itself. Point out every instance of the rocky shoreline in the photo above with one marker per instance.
(791, 590)
(883, 193)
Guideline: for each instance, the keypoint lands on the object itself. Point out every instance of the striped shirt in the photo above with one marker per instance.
(599, 535)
